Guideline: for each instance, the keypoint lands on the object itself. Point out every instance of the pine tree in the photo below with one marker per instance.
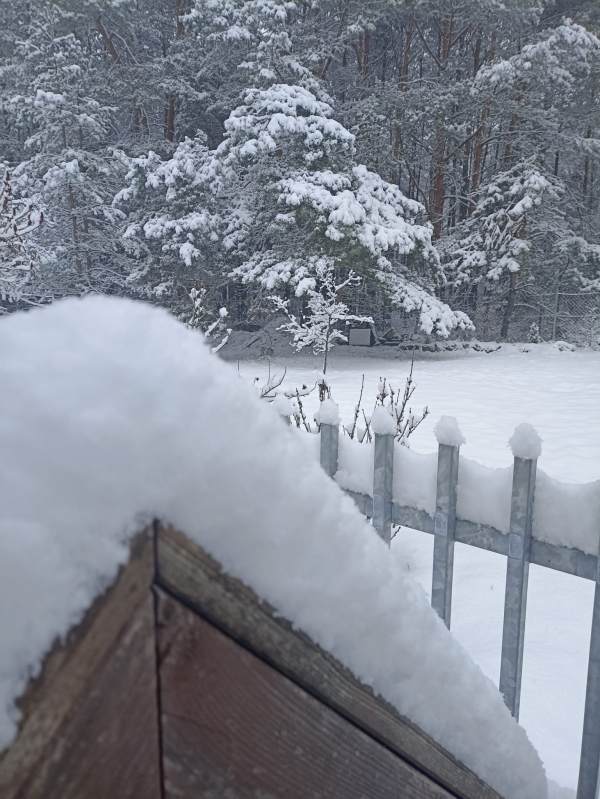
(19, 218)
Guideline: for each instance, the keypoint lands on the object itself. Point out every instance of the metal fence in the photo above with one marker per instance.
(539, 314)
(519, 547)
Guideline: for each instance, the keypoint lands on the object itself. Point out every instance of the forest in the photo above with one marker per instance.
(428, 167)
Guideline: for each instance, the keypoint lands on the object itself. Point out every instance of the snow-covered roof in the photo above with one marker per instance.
(111, 414)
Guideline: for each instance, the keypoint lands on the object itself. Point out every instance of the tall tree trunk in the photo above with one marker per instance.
(403, 81)
(586, 169)
(512, 126)
(78, 263)
(108, 42)
(170, 111)
(512, 295)
(480, 135)
(438, 186)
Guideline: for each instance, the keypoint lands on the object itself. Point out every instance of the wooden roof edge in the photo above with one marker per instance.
(167, 558)
(52, 696)
(196, 579)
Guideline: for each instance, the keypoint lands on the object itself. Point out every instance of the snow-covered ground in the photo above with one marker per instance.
(559, 393)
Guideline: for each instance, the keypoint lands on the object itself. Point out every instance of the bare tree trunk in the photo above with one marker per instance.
(480, 135)
(438, 187)
(397, 148)
(78, 263)
(108, 42)
(170, 110)
(586, 169)
(512, 294)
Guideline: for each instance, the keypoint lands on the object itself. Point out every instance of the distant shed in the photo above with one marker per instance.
(180, 682)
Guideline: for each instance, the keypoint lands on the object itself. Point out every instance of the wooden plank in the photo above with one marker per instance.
(235, 727)
(188, 573)
(90, 721)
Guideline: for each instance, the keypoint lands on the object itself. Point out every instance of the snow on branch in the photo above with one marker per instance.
(18, 219)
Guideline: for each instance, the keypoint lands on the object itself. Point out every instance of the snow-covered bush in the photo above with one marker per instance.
(326, 312)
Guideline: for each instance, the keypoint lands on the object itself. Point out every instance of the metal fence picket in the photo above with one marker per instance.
(517, 574)
(445, 531)
(383, 478)
(589, 767)
(518, 552)
(329, 448)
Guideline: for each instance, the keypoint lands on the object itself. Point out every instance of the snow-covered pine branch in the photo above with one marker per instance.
(288, 183)
(497, 237)
(19, 218)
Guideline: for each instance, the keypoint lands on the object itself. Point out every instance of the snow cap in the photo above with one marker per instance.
(282, 405)
(329, 413)
(448, 432)
(525, 442)
(382, 421)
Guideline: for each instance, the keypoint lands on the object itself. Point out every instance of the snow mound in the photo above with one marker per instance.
(282, 405)
(525, 442)
(448, 432)
(112, 413)
(382, 422)
(329, 413)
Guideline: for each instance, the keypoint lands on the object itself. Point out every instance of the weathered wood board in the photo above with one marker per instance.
(192, 576)
(90, 721)
(235, 727)
(180, 683)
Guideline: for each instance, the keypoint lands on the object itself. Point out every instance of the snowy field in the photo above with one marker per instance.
(489, 394)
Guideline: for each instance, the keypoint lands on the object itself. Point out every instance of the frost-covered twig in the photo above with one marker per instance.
(301, 412)
(273, 383)
(352, 431)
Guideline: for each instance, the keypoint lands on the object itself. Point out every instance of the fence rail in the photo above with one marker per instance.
(519, 546)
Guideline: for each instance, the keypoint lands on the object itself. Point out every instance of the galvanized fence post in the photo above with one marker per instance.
(445, 531)
(517, 574)
(589, 768)
(383, 478)
(329, 448)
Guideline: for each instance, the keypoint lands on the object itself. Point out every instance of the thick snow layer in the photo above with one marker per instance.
(448, 432)
(282, 405)
(329, 413)
(525, 442)
(355, 465)
(415, 477)
(483, 494)
(112, 413)
(382, 421)
(567, 513)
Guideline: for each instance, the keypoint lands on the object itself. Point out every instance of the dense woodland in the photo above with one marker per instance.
(432, 164)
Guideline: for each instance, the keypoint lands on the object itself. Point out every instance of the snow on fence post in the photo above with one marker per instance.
(384, 428)
(589, 767)
(526, 446)
(329, 419)
(449, 441)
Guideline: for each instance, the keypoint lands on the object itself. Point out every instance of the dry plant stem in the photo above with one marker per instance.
(324, 391)
(301, 409)
(368, 435)
(270, 386)
(357, 409)
(408, 390)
